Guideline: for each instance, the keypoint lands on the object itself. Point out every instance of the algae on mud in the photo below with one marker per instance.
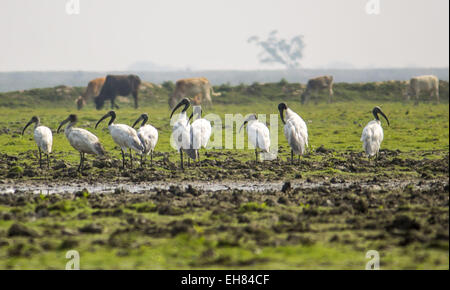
(397, 204)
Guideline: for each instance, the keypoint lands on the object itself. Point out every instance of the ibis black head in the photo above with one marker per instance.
(376, 111)
(184, 102)
(34, 119)
(281, 108)
(143, 118)
(111, 114)
(252, 117)
(72, 119)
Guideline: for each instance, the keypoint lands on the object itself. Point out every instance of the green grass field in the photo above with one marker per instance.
(267, 230)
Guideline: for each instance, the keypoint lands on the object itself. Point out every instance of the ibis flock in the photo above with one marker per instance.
(189, 138)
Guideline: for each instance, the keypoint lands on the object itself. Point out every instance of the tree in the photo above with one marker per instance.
(281, 51)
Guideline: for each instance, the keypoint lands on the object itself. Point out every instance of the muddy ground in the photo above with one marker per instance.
(325, 212)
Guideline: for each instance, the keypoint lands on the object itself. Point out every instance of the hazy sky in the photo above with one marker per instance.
(212, 34)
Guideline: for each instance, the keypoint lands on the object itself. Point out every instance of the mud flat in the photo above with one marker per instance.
(232, 225)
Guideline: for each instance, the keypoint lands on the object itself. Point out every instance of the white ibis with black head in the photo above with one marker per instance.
(43, 137)
(295, 131)
(258, 134)
(372, 135)
(124, 136)
(82, 140)
(181, 131)
(200, 133)
(148, 136)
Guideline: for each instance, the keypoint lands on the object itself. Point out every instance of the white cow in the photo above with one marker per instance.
(423, 84)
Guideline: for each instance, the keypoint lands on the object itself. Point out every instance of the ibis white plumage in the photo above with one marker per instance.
(372, 135)
(82, 140)
(258, 134)
(124, 136)
(181, 131)
(43, 137)
(200, 133)
(295, 131)
(148, 136)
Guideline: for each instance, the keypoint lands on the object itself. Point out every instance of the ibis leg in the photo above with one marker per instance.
(256, 155)
(48, 162)
(123, 159)
(81, 162)
(151, 157)
(131, 159)
(40, 158)
(181, 158)
(198, 155)
(292, 156)
(142, 160)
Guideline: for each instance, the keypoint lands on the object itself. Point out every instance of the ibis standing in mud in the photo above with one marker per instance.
(43, 137)
(148, 136)
(200, 133)
(258, 134)
(181, 131)
(124, 136)
(372, 135)
(82, 140)
(295, 131)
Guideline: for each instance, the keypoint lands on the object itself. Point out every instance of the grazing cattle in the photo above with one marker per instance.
(198, 89)
(92, 90)
(426, 84)
(118, 85)
(316, 84)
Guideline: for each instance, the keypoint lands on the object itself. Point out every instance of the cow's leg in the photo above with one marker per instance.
(305, 97)
(135, 96)
(331, 94)
(435, 94)
(316, 98)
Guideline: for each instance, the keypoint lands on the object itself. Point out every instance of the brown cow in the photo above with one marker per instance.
(317, 84)
(92, 90)
(198, 89)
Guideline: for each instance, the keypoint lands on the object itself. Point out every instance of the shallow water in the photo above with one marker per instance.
(52, 188)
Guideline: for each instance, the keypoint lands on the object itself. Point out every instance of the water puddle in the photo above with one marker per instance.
(52, 188)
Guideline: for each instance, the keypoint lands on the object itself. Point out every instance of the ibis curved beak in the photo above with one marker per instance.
(26, 126)
(243, 124)
(184, 102)
(282, 115)
(62, 124)
(144, 118)
(190, 117)
(103, 118)
(387, 120)
(137, 121)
